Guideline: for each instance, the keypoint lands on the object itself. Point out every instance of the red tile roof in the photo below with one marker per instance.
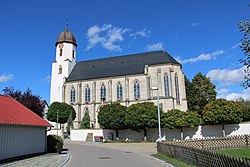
(13, 112)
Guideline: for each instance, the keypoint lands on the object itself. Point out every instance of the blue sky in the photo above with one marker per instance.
(202, 35)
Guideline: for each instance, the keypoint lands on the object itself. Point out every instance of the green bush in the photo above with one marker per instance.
(54, 144)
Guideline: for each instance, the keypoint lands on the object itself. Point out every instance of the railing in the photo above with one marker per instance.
(216, 143)
(201, 158)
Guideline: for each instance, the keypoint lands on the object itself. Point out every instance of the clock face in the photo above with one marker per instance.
(61, 46)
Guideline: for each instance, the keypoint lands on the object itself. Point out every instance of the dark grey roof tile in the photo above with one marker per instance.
(118, 66)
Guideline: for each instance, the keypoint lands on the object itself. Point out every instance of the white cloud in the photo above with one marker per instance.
(227, 77)
(245, 94)
(47, 79)
(203, 57)
(6, 77)
(225, 94)
(222, 92)
(195, 24)
(156, 46)
(106, 35)
(143, 33)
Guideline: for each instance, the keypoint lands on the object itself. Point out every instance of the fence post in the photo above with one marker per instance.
(246, 137)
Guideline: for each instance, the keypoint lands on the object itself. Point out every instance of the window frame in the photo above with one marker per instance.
(72, 95)
(119, 91)
(166, 85)
(87, 94)
(177, 89)
(103, 92)
(137, 91)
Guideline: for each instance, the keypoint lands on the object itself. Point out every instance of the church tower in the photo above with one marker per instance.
(63, 65)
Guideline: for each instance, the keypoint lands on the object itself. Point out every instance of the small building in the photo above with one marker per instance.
(22, 132)
(45, 106)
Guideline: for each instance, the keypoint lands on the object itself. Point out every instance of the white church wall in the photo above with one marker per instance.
(208, 131)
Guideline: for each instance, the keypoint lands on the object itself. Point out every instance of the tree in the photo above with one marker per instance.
(189, 91)
(179, 119)
(26, 98)
(245, 108)
(220, 112)
(203, 91)
(64, 111)
(85, 123)
(112, 116)
(142, 116)
(244, 27)
(69, 124)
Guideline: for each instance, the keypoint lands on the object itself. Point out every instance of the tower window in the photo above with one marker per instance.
(87, 94)
(177, 89)
(60, 53)
(119, 91)
(60, 69)
(136, 90)
(103, 92)
(166, 85)
(73, 53)
(72, 95)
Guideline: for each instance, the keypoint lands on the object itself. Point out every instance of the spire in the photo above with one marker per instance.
(67, 25)
(110, 55)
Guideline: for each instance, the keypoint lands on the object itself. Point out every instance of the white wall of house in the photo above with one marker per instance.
(18, 140)
(169, 134)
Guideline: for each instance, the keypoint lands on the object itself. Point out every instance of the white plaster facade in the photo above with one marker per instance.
(61, 68)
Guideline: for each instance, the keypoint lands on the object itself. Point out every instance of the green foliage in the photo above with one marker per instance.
(200, 92)
(244, 27)
(85, 123)
(222, 112)
(64, 111)
(69, 124)
(142, 115)
(112, 116)
(54, 144)
(173, 161)
(245, 108)
(26, 98)
(189, 92)
(177, 119)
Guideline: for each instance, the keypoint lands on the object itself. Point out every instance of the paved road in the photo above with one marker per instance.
(94, 156)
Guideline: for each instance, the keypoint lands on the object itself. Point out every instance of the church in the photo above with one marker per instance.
(127, 79)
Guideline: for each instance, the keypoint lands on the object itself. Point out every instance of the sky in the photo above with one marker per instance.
(202, 35)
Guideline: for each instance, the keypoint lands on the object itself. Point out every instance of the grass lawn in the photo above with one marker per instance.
(236, 152)
(173, 161)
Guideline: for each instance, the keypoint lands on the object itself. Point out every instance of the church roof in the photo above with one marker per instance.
(118, 66)
(66, 36)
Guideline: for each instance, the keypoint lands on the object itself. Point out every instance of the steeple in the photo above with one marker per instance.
(66, 36)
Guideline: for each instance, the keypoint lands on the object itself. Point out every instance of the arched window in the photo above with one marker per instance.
(87, 94)
(177, 88)
(59, 69)
(103, 92)
(119, 91)
(73, 53)
(60, 53)
(72, 95)
(166, 84)
(137, 90)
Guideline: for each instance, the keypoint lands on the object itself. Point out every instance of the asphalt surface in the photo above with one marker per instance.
(94, 156)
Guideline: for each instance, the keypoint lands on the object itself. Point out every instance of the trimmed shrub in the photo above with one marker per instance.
(54, 144)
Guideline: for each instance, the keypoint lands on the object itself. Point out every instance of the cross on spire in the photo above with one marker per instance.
(67, 24)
